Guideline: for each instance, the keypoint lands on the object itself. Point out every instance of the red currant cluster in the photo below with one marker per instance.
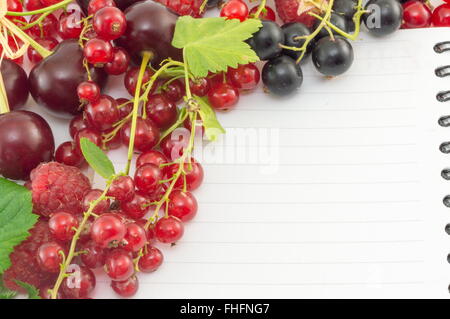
(238, 9)
(420, 14)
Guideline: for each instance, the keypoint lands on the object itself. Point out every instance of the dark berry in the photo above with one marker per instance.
(266, 42)
(282, 76)
(332, 57)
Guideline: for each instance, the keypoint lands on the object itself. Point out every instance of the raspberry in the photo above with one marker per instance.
(24, 266)
(57, 187)
(297, 11)
(184, 7)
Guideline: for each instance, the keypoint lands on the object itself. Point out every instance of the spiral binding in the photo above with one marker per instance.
(442, 47)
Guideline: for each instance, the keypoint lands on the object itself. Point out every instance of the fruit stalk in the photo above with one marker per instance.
(4, 105)
(261, 7)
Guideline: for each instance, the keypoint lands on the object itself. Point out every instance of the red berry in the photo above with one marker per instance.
(45, 292)
(182, 205)
(416, 14)
(96, 5)
(103, 113)
(174, 91)
(50, 257)
(88, 92)
(122, 189)
(70, 26)
(119, 265)
(67, 154)
(441, 16)
(147, 178)
(223, 96)
(183, 7)
(46, 28)
(98, 51)
(244, 77)
(126, 288)
(48, 3)
(235, 9)
(266, 14)
(131, 77)
(93, 195)
(125, 107)
(199, 87)
(63, 225)
(49, 43)
(109, 23)
(151, 157)
(169, 230)
(194, 175)
(297, 11)
(91, 134)
(162, 111)
(174, 144)
(137, 207)
(77, 124)
(151, 260)
(147, 134)
(14, 5)
(79, 284)
(32, 5)
(93, 256)
(120, 62)
(135, 238)
(107, 229)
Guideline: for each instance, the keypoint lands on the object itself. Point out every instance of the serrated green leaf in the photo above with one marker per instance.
(212, 126)
(214, 44)
(5, 293)
(97, 159)
(16, 218)
(33, 292)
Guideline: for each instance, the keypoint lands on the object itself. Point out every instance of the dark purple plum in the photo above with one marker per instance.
(16, 83)
(54, 80)
(150, 28)
(26, 140)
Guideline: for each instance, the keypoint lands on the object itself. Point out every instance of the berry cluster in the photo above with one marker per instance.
(419, 14)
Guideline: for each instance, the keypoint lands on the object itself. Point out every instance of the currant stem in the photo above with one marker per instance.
(4, 105)
(43, 10)
(261, 7)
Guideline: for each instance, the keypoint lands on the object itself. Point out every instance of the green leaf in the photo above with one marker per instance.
(33, 292)
(212, 126)
(214, 44)
(16, 219)
(5, 293)
(97, 159)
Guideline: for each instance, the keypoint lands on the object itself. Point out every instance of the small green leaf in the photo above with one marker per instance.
(33, 292)
(16, 219)
(5, 293)
(212, 126)
(214, 44)
(97, 159)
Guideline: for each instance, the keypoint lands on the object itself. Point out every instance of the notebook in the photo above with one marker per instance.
(336, 192)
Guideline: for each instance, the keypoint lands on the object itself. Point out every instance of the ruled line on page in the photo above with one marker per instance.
(362, 262)
(327, 109)
(344, 242)
(315, 183)
(320, 146)
(321, 222)
(318, 164)
(311, 202)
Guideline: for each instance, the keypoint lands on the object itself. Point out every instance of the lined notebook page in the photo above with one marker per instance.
(335, 192)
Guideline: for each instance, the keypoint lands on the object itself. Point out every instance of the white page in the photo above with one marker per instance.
(354, 206)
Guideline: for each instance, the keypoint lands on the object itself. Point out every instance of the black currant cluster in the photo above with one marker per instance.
(332, 55)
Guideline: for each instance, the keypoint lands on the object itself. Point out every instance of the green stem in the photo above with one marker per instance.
(43, 10)
(4, 106)
(38, 21)
(261, 7)
(186, 77)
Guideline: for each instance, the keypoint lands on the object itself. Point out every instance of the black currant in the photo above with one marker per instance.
(345, 8)
(291, 32)
(384, 17)
(332, 57)
(282, 75)
(266, 42)
(337, 20)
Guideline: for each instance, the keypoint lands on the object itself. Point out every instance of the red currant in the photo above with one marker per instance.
(122, 189)
(91, 134)
(96, 5)
(194, 175)
(147, 178)
(103, 113)
(135, 238)
(125, 107)
(416, 14)
(182, 205)
(93, 256)
(151, 157)
(441, 16)
(235, 9)
(126, 288)
(120, 62)
(79, 284)
(98, 51)
(223, 96)
(77, 124)
(32, 5)
(146, 137)
(199, 87)
(67, 154)
(92, 196)
(109, 23)
(70, 26)
(137, 207)
(63, 225)
(49, 43)
(48, 3)
(174, 144)
(162, 111)
(45, 292)
(46, 28)
(131, 77)
(151, 260)
(50, 257)
(174, 91)
(119, 265)
(266, 14)
(107, 229)
(198, 126)
(244, 77)
(88, 92)
(14, 5)
(169, 230)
